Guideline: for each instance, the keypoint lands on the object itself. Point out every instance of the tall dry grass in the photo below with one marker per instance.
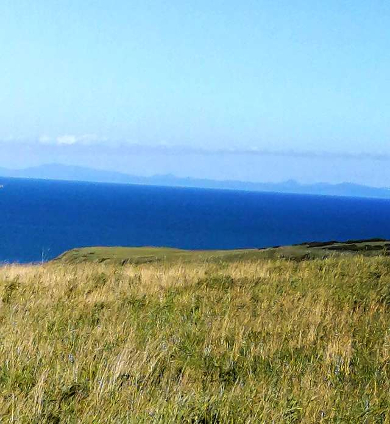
(271, 341)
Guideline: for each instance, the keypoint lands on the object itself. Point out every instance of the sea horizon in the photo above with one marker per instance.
(44, 218)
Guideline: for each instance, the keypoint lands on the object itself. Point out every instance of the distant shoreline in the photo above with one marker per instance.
(58, 172)
(296, 252)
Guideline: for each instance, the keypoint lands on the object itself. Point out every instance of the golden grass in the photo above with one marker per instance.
(250, 342)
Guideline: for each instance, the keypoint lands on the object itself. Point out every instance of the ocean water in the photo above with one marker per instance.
(41, 219)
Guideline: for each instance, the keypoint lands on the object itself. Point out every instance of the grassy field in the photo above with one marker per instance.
(267, 341)
(139, 255)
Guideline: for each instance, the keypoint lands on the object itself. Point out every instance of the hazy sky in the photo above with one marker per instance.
(261, 90)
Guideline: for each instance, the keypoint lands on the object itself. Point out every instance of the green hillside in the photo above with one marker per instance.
(139, 255)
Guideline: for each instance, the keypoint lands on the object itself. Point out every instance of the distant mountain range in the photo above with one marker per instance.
(77, 173)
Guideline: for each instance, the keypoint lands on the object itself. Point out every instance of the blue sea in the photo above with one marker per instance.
(42, 219)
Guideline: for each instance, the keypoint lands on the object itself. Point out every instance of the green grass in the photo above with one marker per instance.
(139, 255)
(259, 341)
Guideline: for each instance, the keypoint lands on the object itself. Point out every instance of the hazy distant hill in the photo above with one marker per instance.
(77, 173)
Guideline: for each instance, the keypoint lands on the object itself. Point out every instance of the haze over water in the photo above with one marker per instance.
(45, 218)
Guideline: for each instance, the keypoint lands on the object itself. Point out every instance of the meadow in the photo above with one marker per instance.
(244, 341)
(297, 252)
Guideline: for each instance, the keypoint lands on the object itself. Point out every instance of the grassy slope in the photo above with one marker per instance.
(239, 342)
(137, 255)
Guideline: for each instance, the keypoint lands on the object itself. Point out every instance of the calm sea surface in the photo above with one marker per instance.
(45, 218)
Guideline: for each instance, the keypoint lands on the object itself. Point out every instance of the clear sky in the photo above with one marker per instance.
(260, 90)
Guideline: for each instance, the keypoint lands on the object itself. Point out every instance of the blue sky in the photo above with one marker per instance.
(188, 84)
